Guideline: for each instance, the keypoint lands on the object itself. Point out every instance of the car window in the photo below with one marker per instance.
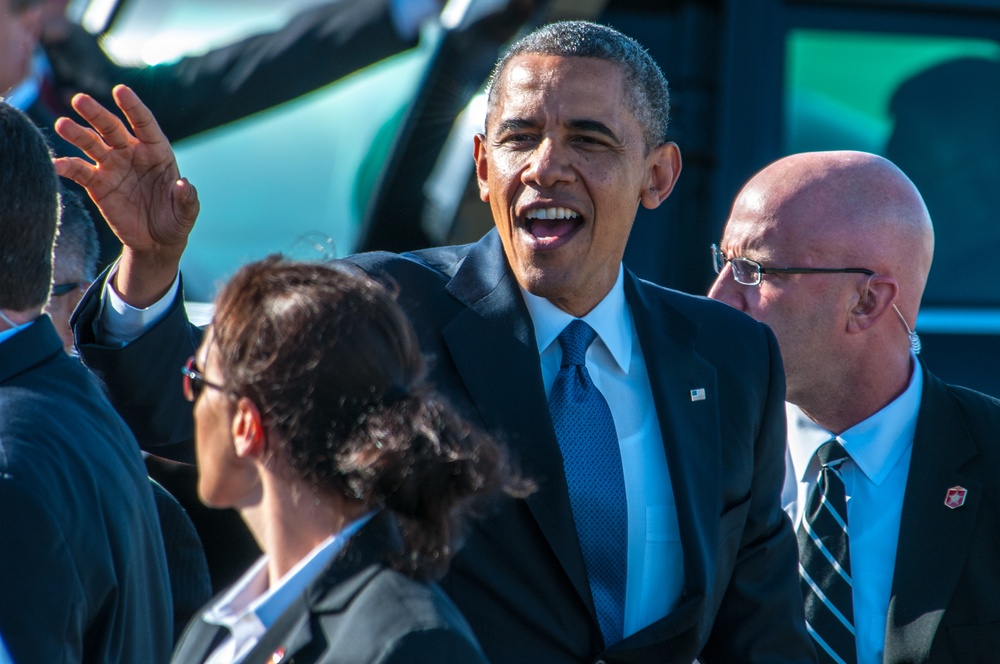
(928, 103)
(293, 179)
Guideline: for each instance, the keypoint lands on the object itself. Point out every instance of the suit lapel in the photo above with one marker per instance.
(346, 576)
(691, 439)
(492, 343)
(934, 540)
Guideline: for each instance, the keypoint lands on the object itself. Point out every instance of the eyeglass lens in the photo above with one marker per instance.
(193, 382)
(745, 271)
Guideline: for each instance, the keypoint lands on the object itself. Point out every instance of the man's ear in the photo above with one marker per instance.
(482, 167)
(664, 169)
(875, 297)
(249, 438)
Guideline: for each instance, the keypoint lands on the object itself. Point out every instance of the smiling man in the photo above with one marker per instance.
(652, 420)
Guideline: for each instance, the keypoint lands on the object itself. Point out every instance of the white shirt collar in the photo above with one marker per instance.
(875, 445)
(249, 607)
(611, 319)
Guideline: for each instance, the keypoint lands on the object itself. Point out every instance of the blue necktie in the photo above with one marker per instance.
(593, 464)
(825, 561)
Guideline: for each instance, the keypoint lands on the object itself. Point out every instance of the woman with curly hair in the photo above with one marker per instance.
(313, 420)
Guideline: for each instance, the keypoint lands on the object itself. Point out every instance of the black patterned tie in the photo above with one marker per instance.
(592, 460)
(825, 561)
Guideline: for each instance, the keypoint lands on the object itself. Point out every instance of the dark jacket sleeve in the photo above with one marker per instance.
(143, 379)
(198, 93)
(761, 618)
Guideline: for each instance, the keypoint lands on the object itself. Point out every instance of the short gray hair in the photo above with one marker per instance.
(646, 92)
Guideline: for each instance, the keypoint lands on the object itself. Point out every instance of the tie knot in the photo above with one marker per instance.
(831, 454)
(575, 339)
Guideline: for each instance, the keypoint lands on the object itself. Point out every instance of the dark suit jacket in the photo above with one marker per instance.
(944, 605)
(83, 577)
(359, 611)
(520, 580)
(190, 585)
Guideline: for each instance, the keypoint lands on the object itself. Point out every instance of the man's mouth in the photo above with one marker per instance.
(550, 226)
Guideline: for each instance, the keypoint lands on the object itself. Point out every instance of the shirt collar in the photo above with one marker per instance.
(875, 444)
(24, 94)
(611, 319)
(250, 599)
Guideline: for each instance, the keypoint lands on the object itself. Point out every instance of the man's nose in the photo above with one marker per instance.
(725, 289)
(550, 165)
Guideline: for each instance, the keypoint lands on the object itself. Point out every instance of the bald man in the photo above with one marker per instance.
(900, 560)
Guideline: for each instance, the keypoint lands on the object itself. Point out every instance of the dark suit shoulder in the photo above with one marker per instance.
(442, 262)
(402, 619)
(697, 307)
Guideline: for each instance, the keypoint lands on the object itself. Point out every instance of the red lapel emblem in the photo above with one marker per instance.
(278, 655)
(955, 497)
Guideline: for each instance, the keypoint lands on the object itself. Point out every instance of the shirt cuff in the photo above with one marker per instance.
(120, 322)
(408, 15)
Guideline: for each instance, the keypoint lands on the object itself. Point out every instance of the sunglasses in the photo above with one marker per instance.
(194, 382)
(58, 290)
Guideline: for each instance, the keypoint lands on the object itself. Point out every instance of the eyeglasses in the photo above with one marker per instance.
(59, 290)
(194, 382)
(749, 273)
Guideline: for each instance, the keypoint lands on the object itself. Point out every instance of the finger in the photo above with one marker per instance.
(78, 170)
(186, 203)
(104, 122)
(87, 140)
(138, 115)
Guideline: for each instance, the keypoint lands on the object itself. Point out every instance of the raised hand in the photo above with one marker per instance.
(135, 182)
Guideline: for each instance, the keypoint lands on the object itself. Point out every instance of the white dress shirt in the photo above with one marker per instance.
(250, 607)
(616, 365)
(875, 481)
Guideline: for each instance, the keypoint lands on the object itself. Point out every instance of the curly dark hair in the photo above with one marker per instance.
(334, 366)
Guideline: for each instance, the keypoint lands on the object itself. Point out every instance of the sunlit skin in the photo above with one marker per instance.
(240, 465)
(225, 479)
(559, 143)
(845, 350)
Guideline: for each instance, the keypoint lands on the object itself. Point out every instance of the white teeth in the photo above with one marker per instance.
(551, 213)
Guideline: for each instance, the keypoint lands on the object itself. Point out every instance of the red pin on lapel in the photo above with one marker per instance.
(277, 656)
(955, 497)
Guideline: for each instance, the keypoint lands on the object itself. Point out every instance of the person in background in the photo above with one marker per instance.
(74, 264)
(313, 419)
(891, 472)
(84, 575)
(319, 45)
(656, 533)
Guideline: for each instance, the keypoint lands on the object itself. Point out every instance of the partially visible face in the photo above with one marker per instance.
(563, 166)
(807, 312)
(18, 37)
(221, 473)
(60, 307)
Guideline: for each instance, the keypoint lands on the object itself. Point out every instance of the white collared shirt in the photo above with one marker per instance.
(875, 482)
(250, 607)
(616, 365)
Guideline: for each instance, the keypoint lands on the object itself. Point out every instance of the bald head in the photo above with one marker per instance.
(847, 208)
(845, 244)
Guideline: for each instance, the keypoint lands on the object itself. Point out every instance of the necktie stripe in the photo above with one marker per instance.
(841, 521)
(825, 561)
(815, 540)
(846, 621)
(826, 649)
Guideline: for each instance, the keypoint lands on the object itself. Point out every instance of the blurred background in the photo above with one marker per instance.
(382, 159)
